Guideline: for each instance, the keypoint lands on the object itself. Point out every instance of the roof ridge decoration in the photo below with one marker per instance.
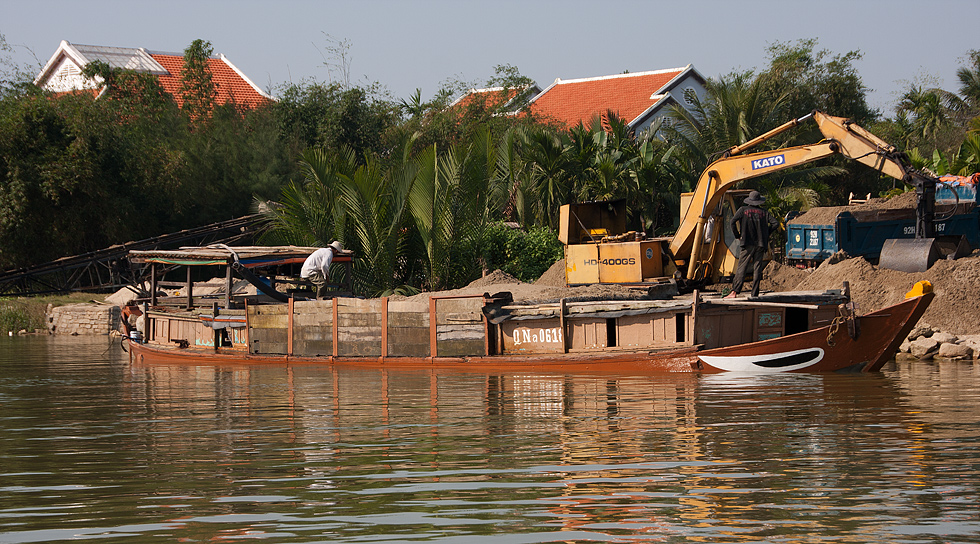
(689, 69)
(616, 76)
(244, 77)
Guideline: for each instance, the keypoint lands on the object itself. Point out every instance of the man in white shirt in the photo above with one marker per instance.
(316, 268)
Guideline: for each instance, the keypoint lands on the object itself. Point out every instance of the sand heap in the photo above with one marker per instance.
(826, 214)
(547, 288)
(956, 308)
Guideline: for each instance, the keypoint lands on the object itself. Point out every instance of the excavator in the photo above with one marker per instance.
(697, 247)
(702, 251)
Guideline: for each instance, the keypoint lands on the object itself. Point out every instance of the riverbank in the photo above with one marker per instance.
(29, 315)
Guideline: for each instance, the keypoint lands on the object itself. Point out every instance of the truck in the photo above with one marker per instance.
(818, 234)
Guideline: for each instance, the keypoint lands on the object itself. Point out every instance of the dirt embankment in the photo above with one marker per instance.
(956, 308)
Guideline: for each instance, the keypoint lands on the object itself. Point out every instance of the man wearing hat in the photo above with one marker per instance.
(751, 226)
(316, 268)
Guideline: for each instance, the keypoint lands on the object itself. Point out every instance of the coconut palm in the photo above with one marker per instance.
(927, 111)
(969, 77)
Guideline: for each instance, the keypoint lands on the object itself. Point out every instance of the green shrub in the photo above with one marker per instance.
(522, 254)
(14, 317)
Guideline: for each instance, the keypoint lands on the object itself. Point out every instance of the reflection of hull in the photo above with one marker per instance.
(816, 350)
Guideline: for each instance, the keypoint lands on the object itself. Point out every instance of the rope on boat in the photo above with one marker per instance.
(834, 326)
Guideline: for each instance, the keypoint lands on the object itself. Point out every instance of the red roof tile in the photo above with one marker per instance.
(576, 101)
(491, 98)
(231, 86)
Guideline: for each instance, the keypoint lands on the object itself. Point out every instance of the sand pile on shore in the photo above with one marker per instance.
(956, 308)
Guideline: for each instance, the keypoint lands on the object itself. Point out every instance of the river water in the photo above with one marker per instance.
(94, 448)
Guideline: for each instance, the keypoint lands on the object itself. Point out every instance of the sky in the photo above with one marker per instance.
(423, 44)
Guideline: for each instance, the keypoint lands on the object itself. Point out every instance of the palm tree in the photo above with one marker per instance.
(550, 172)
(363, 205)
(928, 112)
(969, 77)
(735, 110)
(452, 202)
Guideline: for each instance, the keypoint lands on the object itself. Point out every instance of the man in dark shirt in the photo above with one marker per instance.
(751, 225)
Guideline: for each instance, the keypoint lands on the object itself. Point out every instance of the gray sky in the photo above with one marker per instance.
(412, 44)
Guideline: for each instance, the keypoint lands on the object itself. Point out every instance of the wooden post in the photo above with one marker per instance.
(696, 301)
(433, 337)
(384, 328)
(228, 285)
(153, 284)
(190, 290)
(563, 326)
(214, 321)
(486, 327)
(289, 327)
(336, 334)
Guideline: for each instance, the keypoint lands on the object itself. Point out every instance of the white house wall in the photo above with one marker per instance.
(676, 93)
(67, 77)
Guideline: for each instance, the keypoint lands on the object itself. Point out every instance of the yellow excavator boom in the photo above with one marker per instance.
(841, 136)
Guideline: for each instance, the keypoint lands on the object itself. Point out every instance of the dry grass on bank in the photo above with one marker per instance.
(29, 313)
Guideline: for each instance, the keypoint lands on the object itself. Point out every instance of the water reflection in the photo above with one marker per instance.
(93, 447)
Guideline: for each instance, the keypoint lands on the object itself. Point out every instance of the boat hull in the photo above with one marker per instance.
(818, 350)
(880, 334)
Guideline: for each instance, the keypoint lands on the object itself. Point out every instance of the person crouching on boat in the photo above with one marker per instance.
(751, 225)
(316, 268)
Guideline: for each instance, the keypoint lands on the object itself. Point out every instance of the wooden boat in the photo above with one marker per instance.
(780, 332)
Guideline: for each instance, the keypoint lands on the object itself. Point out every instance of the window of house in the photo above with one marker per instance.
(690, 96)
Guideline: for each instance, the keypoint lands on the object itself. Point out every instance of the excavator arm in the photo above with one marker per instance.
(840, 137)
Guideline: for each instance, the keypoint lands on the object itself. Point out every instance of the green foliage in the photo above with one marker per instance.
(809, 79)
(14, 78)
(929, 119)
(964, 161)
(79, 173)
(196, 86)
(14, 317)
(30, 313)
(522, 254)
(335, 117)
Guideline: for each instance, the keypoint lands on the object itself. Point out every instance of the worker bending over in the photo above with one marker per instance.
(316, 268)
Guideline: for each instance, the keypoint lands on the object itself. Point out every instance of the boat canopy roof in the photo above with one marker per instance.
(220, 254)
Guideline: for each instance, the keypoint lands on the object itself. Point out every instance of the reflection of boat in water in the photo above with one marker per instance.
(782, 332)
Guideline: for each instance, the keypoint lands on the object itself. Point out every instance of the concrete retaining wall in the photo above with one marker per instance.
(79, 319)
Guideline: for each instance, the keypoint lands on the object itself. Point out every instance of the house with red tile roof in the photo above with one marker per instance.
(63, 72)
(501, 99)
(638, 98)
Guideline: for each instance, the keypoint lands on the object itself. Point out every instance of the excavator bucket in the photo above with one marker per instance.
(909, 254)
(953, 246)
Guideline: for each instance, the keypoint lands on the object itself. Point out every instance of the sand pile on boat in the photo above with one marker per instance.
(956, 308)
(547, 288)
(826, 214)
(554, 276)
